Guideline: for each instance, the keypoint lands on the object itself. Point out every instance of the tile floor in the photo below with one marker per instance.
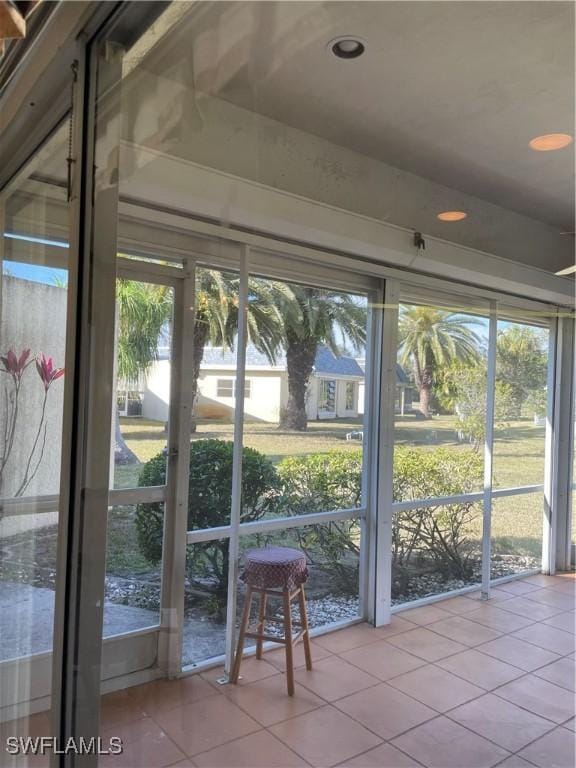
(460, 684)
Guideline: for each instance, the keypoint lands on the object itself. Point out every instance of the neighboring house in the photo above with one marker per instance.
(333, 389)
(404, 390)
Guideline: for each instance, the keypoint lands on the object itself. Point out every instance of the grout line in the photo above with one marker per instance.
(378, 681)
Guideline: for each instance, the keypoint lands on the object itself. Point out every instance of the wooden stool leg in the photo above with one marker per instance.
(243, 626)
(261, 623)
(305, 630)
(288, 641)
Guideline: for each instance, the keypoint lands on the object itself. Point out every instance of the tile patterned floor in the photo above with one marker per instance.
(460, 684)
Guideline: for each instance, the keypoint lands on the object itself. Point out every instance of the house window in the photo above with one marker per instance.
(350, 395)
(327, 395)
(225, 388)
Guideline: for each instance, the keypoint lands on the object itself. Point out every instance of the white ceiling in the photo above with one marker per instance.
(451, 91)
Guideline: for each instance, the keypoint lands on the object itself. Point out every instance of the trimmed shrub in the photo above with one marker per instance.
(324, 482)
(209, 501)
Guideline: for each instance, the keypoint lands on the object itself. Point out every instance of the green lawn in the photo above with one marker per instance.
(518, 458)
(518, 449)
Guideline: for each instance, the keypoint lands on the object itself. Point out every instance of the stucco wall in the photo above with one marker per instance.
(263, 403)
(34, 316)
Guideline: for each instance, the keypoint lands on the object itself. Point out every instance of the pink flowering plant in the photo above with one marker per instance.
(14, 368)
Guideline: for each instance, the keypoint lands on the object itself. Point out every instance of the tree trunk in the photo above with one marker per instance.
(200, 336)
(426, 383)
(122, 454)
(424, 405)
(300, 357)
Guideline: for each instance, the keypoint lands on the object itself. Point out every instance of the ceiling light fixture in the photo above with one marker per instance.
(347, 47)
(567, 271)
(550, 141)
(452, 215)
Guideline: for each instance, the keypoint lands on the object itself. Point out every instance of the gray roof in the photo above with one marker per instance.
(401, 376)
(326, 363)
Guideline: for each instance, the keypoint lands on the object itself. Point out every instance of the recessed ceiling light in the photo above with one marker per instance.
(550, 142)
(347, 47)
(452, 215)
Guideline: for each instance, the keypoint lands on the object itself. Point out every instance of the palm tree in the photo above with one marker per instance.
(144, 310)
(314, 316)
(521, 363)
(430, 338)
(216, 318)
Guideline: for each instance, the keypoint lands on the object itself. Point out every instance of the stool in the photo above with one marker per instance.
(275, 572)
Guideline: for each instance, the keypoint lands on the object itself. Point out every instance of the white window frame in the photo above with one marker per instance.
(324, 383)
(221, 383)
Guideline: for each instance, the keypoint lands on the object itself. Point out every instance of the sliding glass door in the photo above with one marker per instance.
(268, 463)
(34, 329)
(469, 455)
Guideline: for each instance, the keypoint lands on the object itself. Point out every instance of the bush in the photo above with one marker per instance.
(324, 482)
(209, 501)
(440, 533)
(320, 483)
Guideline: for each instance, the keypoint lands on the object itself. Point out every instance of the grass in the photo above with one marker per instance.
(518, 459)
(518, 449)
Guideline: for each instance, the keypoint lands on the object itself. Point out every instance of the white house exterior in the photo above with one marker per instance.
(333, 389)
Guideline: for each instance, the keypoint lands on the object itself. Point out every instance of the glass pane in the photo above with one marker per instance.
(517, 523)
(34, 265)
(440, 401)
(206, 593)
(304, 416)
(520, 405)
(214, 390)
(143, 367)
(133, 567)
(435, 549)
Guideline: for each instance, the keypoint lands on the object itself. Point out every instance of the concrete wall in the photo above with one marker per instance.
(34, 316)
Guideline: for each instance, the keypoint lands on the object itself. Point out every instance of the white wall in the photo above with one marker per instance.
(156, 399)
(34, 316)
(263, 403)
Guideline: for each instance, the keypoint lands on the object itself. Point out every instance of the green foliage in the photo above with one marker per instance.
(320, 483)
(209, 503)
(536, 403)
(440, 533)
(431, 339)
(314, 316)
(462, 390)
(325, 482)
(521, 363)
(143, 311)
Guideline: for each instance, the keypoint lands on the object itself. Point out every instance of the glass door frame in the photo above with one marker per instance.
(242, 258)
(174, 493)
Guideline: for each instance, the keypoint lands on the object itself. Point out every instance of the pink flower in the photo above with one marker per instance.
(13, 364)
(46, 370)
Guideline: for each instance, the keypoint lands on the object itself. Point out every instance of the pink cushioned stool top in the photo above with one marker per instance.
(274, 568)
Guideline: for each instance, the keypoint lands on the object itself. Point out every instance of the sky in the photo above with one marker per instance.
(53, 276)
(33, 272)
